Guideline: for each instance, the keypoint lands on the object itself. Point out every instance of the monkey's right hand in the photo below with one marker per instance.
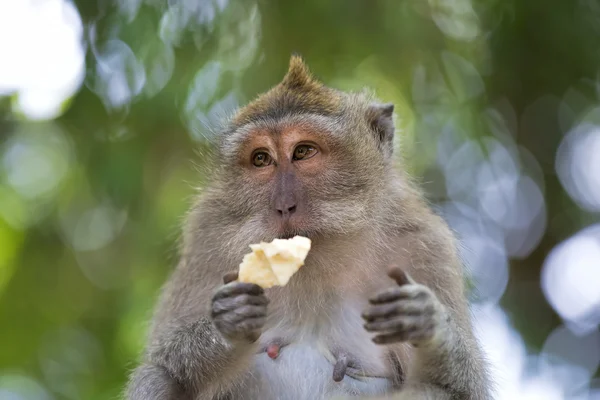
(239, 309)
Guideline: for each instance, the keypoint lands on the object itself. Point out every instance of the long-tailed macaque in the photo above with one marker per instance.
(379, 307)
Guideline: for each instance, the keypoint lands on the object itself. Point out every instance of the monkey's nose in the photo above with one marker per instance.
(286, 210)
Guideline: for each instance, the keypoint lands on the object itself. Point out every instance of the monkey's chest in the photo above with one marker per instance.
(304, 370)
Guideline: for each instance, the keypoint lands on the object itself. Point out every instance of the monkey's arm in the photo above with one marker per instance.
(191, 354)
(450, 366)
(185, 361)
(452, 358)
(447, 361)
(431, 312)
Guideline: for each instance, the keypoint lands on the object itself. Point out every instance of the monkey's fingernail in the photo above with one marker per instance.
(399, 276)
(230, 277)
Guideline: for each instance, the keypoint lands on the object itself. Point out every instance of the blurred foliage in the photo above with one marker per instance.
(91, 201)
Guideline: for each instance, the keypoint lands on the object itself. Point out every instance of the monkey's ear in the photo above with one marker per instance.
(380, 118)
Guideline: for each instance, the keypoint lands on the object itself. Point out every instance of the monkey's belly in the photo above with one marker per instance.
(301, 372)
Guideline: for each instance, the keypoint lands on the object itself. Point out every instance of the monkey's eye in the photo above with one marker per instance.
(304, 151)
(261, 159)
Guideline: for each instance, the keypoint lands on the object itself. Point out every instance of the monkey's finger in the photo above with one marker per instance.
(230, 277)
(399, 276)
(339, 370)
(389, 339)
(391, 294)
(251, 325)
(236, 313)
(395, 324)
(401, 307)
(397, 293)
(232, 289)
(386, 296)
(227, 304)
(248, 311)
(399, 337)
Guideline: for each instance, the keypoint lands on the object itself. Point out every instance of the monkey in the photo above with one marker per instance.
(379, 308)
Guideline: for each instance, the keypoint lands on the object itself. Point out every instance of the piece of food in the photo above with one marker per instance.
(273, 264)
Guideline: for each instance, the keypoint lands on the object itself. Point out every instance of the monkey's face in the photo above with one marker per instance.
(300, 178)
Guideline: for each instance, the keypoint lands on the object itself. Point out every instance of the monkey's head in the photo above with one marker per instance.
(306, 159)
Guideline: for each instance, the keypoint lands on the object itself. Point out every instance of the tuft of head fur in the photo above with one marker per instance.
(298, 92)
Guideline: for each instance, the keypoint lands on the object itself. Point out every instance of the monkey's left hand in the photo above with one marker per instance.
(409, 312)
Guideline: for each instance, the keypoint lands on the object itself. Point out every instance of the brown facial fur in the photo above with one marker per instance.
(338, 186)
(281, 144)
(286, 179)
(356, 138)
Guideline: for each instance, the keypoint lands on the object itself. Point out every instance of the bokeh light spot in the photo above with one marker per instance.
(36, 160)
(42, 55)
(20, 387)
(571, 278)
(578, 165)
(69, 359)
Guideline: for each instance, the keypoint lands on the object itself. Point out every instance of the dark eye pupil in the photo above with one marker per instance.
(260, 159)
(302, 151)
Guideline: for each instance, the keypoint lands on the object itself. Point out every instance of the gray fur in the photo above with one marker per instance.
(366, 215)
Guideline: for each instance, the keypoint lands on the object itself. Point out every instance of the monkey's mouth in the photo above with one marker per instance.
(288, 228)
(289, 233)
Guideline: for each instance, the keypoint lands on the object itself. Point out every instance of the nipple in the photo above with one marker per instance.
(273, 350)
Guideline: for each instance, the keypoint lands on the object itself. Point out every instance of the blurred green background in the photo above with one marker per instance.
(103, 105)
